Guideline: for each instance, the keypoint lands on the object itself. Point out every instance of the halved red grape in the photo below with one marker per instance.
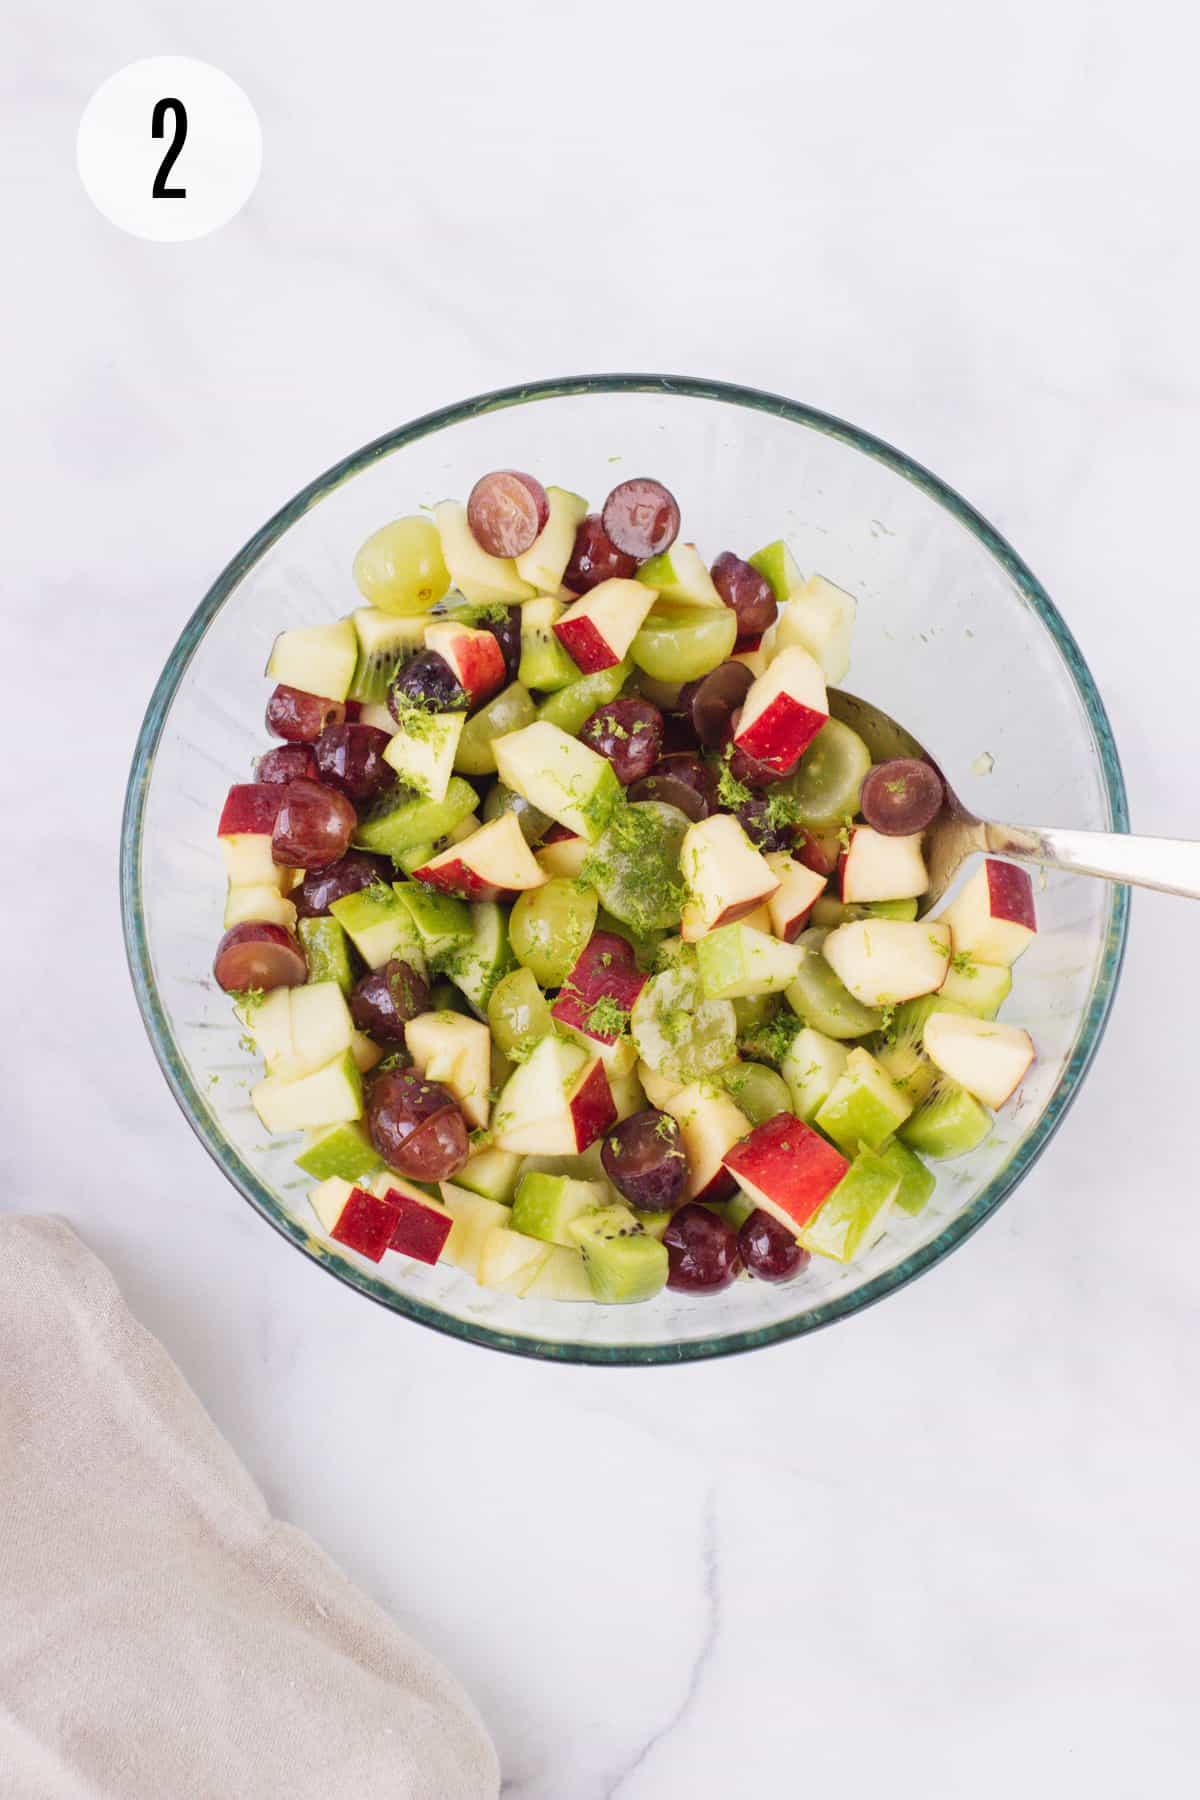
(901, 797)
(702, 1249)
(350, 759)
(745, 592)
(641, 517)
(765, 831)
(290, 762)
(506, 510)
(681, 780)
(416, 1126)
(595, 558)
(428, 681)
(301, 717)
(643, 1157)
(768, 1248)
(628, 733)
(313, 826)
(321, 887)
(385, 999)
(257, 955)
(507, 633)
(712, 701)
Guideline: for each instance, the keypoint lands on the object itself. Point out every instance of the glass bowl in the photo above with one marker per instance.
(955, 637)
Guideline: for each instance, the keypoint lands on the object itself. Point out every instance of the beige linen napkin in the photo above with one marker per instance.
(162, 1637)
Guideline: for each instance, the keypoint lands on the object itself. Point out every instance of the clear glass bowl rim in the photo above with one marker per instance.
(244, 1179)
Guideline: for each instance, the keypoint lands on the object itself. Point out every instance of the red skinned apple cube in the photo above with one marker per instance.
(987, 1058)
(606, 971)
(422, 1226)
(726, 877)
(819, 848)
(783, 711)
(562, 852)
(787, 1168)
(555, 1104)
(475, 656)
(354, 1216)
(250, 809)
(494, 863)
(597, 630)
(710, 1125)
(886, 961)
(799, 890)
(993, 919)
(876, 867)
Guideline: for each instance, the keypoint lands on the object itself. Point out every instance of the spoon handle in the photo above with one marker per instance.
(1172, 865)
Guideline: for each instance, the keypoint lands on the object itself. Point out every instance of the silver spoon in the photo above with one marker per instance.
(1172, 865)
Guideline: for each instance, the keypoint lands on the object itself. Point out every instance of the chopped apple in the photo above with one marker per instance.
(602, 989)
(563, 1276)
(819, 617)
(380, 927)
(321, 1028)
(750, 651)
(710, 1125)
(494, 863)
(423, 749)
(916, 1181)
(473, 654)
(986, 1058)
(318, 659)
(481, 579)
(876, 867)
(777, 563)
(864, 1107)
(725, 875)
(546, 1203)
(993, 919)
(326, 1097)
(259, 903)
(510, 1262)
(560, 776)
(492, 1173)
(422, 1226)
(787, 1168)
(269, 1023)
(456, 1051)
(812, 1067)
(354, 1216)
(856, 1214)
(249, 863)
(598, 629)
(979, 988)
(544, 664)
(544, 563)
(556, 1103)
(474, 1218)
(659, 1088)
(885, 961)
(344, 1150)
(783, 711)
(819, 848)
(681, 576)
(736, 962)
(562, 852)
(799, 890)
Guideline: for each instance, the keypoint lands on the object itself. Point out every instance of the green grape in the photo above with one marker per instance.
(820, 999)
(507, 711)
(683, 645)
(549, 926)
(517, 1014)
(829, 776)
(634, 866)
(400, 568)
(500, 799)
(679, 1033)
(757, 1090)
(578, 701)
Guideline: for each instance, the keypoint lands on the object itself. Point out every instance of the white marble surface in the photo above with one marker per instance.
(950, 1547)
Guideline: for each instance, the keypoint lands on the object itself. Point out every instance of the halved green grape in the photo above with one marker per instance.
(549, 926)
(400, 567)
(518, 1015)
(500, 799)
(634, 866)
(758, 1091)
(829, 776)
(679, 1033)
(509, 710)
(821, 1000)
(578, 701)
(682, 645)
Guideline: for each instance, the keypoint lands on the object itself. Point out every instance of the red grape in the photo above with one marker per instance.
(506, 510)
(628, 733)
(416, 1126)
(768, 1248)
(641, 517)
(745, 592)
(749, 769)
(257, 955)
(321, 887)
(385, 999)
(313, 826)
(507, 633)
(680, 780)
(595, 558)
(764, 832)
(301, 717)
(901, 797)
(428, 681)
(703, 1251)
(350, 759)
(290, 762)
(643, 1158)
(712, 701)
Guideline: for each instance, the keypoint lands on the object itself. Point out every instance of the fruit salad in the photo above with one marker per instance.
(577, 932)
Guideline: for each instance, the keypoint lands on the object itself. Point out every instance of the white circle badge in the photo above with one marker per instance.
(169, 148)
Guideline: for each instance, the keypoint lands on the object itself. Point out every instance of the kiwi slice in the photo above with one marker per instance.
(385, 642)
(623, 1262)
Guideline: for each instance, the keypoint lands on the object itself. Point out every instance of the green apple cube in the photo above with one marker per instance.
(492, 1174)
(777, 563)
(481, 579)
(916, 1181)
(681, 575)
(422, 751)
(812, 1067)
(546, 1205)
(379, 927)
(856, 1213)
(737, 961)
(327, 950)
(577, 701)
(442, 922)
(561, 776)
(544, 563)
(977, 988)
(624, 1263)
(320, 659)
(476, 964)
(403, 820)
(865, 1107)
(328, 1096)
(343, 1150)
(949, 1123)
